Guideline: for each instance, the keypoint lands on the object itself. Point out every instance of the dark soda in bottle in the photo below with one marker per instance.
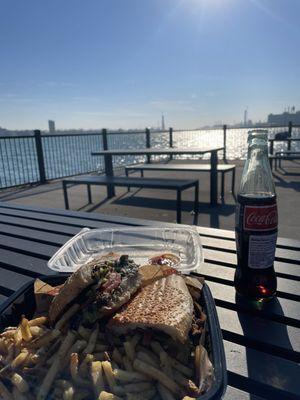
(256, 223)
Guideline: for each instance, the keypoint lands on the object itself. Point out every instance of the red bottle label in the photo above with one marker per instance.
(260, 218)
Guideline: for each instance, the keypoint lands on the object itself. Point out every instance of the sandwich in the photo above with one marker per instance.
(165, 305)
(100, 287)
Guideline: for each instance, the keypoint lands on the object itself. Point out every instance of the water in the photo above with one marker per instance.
(71, 155)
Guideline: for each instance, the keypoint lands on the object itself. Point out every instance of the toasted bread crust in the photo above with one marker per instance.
(73, 286)
(165, 304)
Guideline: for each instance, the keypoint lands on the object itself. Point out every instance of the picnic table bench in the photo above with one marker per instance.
(262, 341)
(221, 168)
(150, 183)
(283, 155)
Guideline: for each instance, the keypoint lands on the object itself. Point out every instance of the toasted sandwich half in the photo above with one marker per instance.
(100, 287)
(164, 305)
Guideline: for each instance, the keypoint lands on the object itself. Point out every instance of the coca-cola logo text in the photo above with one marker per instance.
(262, 218)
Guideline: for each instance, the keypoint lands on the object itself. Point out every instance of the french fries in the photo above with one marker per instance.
(38, 321)
(20, 359)
(54, 369)
(74, 361)
(146, 395)
(165, 393)
(68, 390)
(83, 368)
(17, 395)
(107, 369)
(143, 356)
(128, 376)
(138, 387)
(157, 375)
(108, 396)
(19, 382)
(92, 341)
(84, 332)
(25, 330)
(44, 340)
(36, 330)
(129, 350)
(97, 377)
(127, 364)
(67, 315)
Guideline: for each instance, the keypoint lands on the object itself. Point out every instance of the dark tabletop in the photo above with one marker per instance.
(262, 346)
(155, 151)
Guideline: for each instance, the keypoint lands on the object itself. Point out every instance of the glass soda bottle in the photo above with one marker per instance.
(256, 223)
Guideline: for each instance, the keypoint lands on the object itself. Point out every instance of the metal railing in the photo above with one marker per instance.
(41, 157)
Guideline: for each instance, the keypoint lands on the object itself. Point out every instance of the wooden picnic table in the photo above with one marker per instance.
(262, 344)
(213, 151)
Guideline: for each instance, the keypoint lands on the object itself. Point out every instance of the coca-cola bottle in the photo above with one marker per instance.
(256, 223)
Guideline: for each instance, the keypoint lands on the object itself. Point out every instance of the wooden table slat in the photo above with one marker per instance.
(63, 220)
(212, 232)
(28, 247)
(291, 256)
(229, 236)
(40, 226)
(279, 338)
(3, 298)
(24, 264)
(225, 275)
(10, 208)
(50, 238)
(281, 310)
(230, 260)
(233, 393)
(11, 281)
(251, 364)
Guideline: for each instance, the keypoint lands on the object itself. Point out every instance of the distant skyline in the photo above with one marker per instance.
(121, 64)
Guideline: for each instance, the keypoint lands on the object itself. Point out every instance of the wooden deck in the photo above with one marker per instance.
(143, 203)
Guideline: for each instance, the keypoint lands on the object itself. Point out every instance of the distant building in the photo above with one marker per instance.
(284, 118)
(245, 117)
(162, 122)
(51, 125)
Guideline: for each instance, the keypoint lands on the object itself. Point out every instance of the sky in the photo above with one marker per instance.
(122, 63)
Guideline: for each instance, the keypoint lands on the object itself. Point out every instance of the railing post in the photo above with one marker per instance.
(148, 145)
(271, 152)
(224, 141)
(290, 135)
(40, 155)
(171, 141)
(104, 139)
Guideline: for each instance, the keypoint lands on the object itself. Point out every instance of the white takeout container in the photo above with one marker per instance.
(140, 243)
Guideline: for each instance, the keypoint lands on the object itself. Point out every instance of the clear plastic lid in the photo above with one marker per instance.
(140, 243)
